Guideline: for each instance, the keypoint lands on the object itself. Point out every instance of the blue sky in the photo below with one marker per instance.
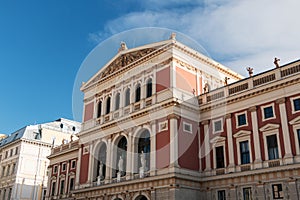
(44, 43)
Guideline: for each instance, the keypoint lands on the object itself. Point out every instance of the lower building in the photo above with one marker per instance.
(23, 158)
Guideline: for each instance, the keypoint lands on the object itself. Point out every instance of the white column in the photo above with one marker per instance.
(173, 140)
(257, 150)
(153, 148)
(230, 143)
(129, 157)
(57, 181)
(91, 165)
(67, 178)
(108, 171)
(288, 157)
(207, 146)
(78, 165)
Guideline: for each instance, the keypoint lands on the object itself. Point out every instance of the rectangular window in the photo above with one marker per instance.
(247, 194)
(64, 167)
(220, 157)
(8, 169)
(242, 120)
(268, 112)
(272, 147)
(245, 155)
(17, 149)
(53, 188)
(9, 193)
(72, 184)
(187, 127)
(11, 152)
(14, 168)
(218, 126)
(277, 191)
(221, 195)
(73, 164)
(296, 104)
(55, 169)
(6, 154)
(62, 186)
(3, 171)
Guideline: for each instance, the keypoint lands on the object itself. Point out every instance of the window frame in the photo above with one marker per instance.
(247, 189)
(55, 169)
(127, 100)
(188, 125)
(221, 194)
(163, 126)
(263, 112)
(63, 167)
(73, 161)
(279, 192)
(214, 125)
(241, 153)
(221, 144)
(117, 101)
(138, 92)
(149, 87)
(293, 104)
(237, 119)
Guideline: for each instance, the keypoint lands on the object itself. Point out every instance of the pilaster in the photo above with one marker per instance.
(257, 161)
(231, 166)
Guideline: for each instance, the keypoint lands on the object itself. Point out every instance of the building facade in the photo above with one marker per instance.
(23, 158)
(162, 121)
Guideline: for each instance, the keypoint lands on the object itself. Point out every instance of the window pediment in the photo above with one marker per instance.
(241, 133)
(217, 139)
(269, 127)
(295, 121)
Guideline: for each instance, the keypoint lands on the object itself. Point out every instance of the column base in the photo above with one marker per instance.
(288, 159)
(257, 164)
(231, 168)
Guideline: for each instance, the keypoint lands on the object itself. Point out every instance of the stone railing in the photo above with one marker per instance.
(65, 147)
(251, 82)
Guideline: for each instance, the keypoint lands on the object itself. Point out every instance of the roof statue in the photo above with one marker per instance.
(173, 36)
(276, 60)
(123, 47)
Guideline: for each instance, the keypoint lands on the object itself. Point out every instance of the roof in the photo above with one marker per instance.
(33, 132)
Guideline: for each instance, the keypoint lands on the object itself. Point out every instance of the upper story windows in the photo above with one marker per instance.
(117, 101)
(149, 88)
(217, 125)
(138, 93)
(295, 104)
(241, 119)
(99, 109)
(268, 112)
(127, 97)
(107, 105)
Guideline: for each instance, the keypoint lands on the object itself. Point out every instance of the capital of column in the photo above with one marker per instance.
(173, 116)
(228, 116)
(205, 122)
(252, 109)
(280, 101)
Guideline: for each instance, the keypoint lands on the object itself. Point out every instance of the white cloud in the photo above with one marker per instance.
(237, 32)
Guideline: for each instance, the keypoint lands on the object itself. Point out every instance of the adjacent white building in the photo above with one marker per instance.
(23, 157)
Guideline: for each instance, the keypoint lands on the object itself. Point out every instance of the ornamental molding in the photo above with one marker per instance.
(242, 133)
(217, 139)
(295, 121)
(269, 127)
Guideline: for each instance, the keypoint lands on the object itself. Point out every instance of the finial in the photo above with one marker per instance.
(122, 47)
(173, 36)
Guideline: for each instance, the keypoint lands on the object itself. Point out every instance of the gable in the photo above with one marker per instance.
(217, 139)
(127, 59)
(295, 121)
(241, 133)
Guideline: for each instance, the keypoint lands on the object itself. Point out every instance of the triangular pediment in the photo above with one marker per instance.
(242, 133)
(217, 139)
(126, 59)
(269, 127)
(295, 121)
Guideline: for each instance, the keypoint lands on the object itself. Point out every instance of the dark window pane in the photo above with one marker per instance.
(127, 97)
(245, 155)
(138, 93)
(220, 157)
(268, 112)
(221, 195)
(242, 120)
(149, 88)
(297, 104)
(272, 147)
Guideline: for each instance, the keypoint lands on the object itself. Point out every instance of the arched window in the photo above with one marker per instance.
(107, 105)
(138, 93)
(127, 97)
(121, 155)
(117, 101)
(141, 197)
(99, 109)
(100, 162)
(149, 88)
(144, 148)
